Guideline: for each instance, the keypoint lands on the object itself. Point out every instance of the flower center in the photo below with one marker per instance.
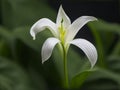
(62, 32)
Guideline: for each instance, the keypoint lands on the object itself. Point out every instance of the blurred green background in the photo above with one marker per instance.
(20, 56)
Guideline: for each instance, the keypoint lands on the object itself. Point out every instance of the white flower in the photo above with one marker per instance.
(64, 33)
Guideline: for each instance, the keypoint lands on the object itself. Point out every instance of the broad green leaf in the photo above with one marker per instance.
(10, 49)
(99, 44)
(6, 42)
(107, 40)
(79, 79)
(37, 80)
(5, 50)
(12, 77)
(114, 63)
(103, 79)
(108, 34)
(23, 34)
(16, 13)
(77, 63)
(114, 58)
(116, 50)
(105, 26)
(33, 56)
(105, 35)
(6, 34)
(105, 73)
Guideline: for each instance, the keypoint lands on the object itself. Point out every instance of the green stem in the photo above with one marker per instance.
(66, 83)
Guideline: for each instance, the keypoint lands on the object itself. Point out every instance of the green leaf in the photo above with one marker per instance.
(16, 13)
(12, 77)
(77, 62)
(6, 34)
(104, 79)
(108, 74)
(7, 41)
(5, 50)
(116, 50)
(105, 35)
(79, 79)
(104, 26)
(107, 40)
(23, 34)
(99, 44)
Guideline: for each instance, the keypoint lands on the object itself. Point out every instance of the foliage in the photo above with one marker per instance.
(20, 59)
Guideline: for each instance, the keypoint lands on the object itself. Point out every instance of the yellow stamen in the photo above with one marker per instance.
(62, 32)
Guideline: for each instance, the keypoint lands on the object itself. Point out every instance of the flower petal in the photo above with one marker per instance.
(77, 25)
(40, 25)
(88, 48)
(47, 48)
(62, 16)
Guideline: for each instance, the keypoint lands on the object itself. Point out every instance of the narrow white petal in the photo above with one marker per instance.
(62, 16)
(40, 25)
(77, 25)
(88, 48)
(47, 48)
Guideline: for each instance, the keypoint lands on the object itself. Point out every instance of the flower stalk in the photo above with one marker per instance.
(66, 82)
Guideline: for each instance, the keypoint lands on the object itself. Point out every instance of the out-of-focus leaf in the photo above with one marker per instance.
(114, 63)
(77, 63)
(79, 68)
(105, 73)
(31, 56)
(5, 50)
(99, 44)
(37, 79)
(104, 26)
(108, 32)
(9, 46)
(114, 58)
(7, 41)
(12, 77)
(116, 50)
(104, 79)
(16, 13)
(79, 79)
(107, 41)
(23, 34)
(6, 34)
(105, 35)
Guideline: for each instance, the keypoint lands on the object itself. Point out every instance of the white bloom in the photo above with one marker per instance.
(64, 33)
